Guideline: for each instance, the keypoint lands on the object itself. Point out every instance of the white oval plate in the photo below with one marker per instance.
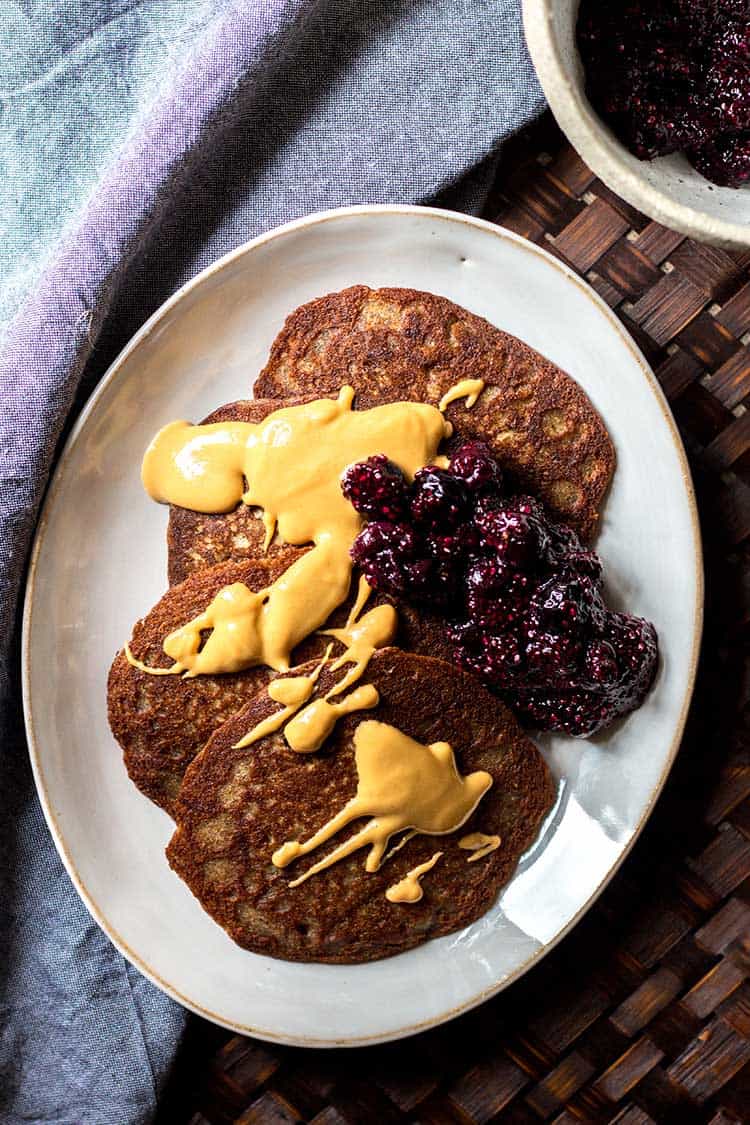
(99, 563)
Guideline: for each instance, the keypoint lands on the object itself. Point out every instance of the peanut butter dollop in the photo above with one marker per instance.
(402, 784)
(409, 889)
(290, 466)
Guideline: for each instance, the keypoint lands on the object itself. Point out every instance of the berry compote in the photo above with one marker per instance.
(673, 76)
(521, 596)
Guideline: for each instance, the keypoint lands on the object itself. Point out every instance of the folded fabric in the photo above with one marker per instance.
(141, 141)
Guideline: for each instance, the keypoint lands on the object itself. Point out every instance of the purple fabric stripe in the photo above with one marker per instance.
(47, 345)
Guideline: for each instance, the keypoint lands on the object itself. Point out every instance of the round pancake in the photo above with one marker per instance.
(161, 722)
(235, 807)
(399, 344)
(198, 539)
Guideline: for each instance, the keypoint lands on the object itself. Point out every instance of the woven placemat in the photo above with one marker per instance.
(643, 1013)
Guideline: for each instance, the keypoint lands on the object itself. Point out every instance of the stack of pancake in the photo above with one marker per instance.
(234, 807)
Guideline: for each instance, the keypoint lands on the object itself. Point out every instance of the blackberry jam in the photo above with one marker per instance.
(521, 596)
(673, 76)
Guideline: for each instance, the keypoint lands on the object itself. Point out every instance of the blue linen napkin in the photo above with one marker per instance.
(141, 140)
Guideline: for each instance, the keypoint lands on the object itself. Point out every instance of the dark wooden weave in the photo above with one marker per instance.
(643, 1013)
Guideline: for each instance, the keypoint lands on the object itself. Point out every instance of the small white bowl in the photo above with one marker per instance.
(668, 189)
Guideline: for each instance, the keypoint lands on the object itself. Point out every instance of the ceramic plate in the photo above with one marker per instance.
(100, 562)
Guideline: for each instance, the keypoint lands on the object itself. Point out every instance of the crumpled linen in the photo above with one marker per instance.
(141, 140)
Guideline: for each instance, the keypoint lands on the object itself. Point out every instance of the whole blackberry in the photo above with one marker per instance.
(474, 464)
(376, 488)
(382, 550)
(516, 529)
(438, 501)
(635, 642)
(383, 535)
(487, 575)
(577, 713)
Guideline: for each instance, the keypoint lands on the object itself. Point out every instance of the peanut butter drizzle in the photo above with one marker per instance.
(402, 784)
(364, 589)
(409, 889)
(292, 462)
(470, 389)
(136, 663)
(232, 618)
(479, 844)
(407, 836)
(375, 630)
(311, 728)
(292, 691)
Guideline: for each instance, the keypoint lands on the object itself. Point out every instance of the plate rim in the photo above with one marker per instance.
(109, 377)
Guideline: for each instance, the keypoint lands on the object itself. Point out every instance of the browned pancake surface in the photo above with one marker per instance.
(197, 539)
(235, 807)
(400, 344)
(161, 722)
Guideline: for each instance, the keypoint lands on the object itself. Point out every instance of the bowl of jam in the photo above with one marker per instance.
(655, 96)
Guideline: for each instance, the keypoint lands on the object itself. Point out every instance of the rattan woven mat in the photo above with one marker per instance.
(643, 1013)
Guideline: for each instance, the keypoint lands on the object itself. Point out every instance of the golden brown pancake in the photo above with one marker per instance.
(235, 807)
(398, 344)
(161, 722)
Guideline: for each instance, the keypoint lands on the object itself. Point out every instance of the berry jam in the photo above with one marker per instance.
(673, 76)
(521, 596)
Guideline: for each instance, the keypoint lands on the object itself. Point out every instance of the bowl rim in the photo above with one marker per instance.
(599, 147)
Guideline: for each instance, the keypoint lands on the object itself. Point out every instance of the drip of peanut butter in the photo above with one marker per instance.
(292, 462)
(232, 620)
(409, 889)
(364, 589)
(375, 630)
(309, 730)
(479, 844)
(470, 389)
(402, 784)
(407, 836)
(293, 692)
(139, 664)
(312, 726)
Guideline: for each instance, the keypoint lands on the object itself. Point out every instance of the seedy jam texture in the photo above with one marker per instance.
(673, 76)
(522, 597)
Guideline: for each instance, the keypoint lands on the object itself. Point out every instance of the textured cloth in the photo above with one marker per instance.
(141, 140)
